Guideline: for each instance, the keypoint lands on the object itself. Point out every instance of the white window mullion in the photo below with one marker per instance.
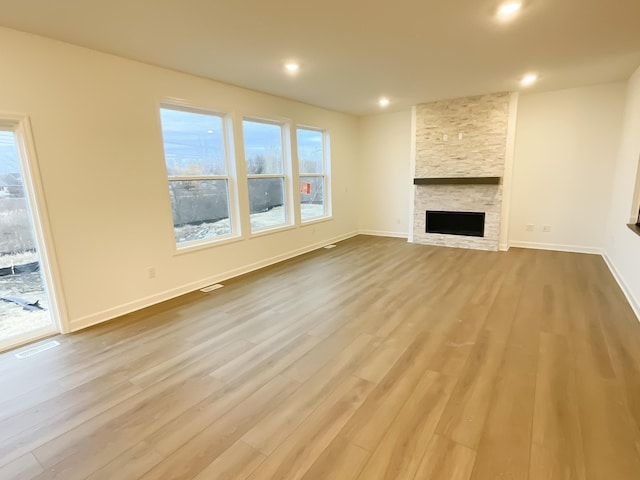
(189, 178)
(279, 175)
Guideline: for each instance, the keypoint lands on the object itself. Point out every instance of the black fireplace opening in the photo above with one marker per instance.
(470, 224)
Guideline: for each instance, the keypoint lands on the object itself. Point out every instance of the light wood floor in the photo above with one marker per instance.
(374, 360)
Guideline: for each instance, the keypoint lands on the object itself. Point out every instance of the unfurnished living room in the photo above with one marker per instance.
(252, 240)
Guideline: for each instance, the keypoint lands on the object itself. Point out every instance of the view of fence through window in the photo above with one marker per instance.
(311, 161)
(23, 301)
(195, 155)
(264, 154)
(199, 168)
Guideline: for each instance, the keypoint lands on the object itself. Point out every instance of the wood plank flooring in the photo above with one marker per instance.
(374, 360)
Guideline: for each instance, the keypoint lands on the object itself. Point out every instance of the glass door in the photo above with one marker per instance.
(24, 304)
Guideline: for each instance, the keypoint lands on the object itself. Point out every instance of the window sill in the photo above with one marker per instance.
(196, 247)
(314, 220)
(634, 228)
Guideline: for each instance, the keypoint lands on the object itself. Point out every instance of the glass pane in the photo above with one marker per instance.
(24, 306)
(266, 202)
(310, 151)
(200, 209)
(193, 143)
(312, 202)
(262, 147)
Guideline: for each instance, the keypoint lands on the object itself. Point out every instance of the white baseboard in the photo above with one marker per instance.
(633, 302)
(111, 313)
(382, 233)
(557, 247)
(504, 247)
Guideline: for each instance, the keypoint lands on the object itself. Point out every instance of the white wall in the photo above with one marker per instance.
(622, 245)
(566, 143)
(97, 133)
(385, 175)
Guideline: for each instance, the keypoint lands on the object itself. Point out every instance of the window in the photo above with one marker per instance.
(197, 159)
(312, 164)
(266, 174)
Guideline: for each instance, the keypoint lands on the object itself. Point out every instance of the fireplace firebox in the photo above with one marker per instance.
(469, 224)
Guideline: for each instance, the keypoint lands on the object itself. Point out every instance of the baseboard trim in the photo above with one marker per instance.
(504, 247)
(633, 302)
(111, 313)
(383, 233)
(557, 247)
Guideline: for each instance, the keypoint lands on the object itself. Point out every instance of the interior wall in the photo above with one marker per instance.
(565, 148)
(97, 133)
(385, 175)
(622, 245)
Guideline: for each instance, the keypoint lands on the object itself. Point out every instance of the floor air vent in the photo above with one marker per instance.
(30, 352)
(211, 288)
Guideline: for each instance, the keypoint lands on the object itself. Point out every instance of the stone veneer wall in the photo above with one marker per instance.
(481, 152)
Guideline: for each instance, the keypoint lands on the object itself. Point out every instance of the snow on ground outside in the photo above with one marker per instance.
(18, 259)
(14, 320)
(272, 217)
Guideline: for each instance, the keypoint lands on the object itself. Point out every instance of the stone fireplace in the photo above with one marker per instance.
(460, 155)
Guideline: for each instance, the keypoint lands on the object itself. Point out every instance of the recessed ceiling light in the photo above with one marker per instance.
(529, 79)
(384, 101)
(509, 9)
(292, 67)
(209, 131)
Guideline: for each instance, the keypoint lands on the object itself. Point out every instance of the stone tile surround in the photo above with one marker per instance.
(483, 122)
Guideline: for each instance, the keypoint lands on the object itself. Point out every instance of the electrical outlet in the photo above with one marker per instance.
(528, 228)
(546, 228)
(152, 272)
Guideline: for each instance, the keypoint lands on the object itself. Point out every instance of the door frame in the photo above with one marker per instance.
(20, 125)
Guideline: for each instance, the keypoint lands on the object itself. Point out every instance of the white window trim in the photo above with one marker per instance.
(231, 177)
(287, 175)
(635, 206)
(326, 168)
(20, 125)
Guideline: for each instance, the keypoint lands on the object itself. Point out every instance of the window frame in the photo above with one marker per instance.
(20, 126)
(635, 206)
(231, 175)
(326, 173)
(286, 175)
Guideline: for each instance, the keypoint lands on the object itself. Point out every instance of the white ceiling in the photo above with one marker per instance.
(353, 51)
